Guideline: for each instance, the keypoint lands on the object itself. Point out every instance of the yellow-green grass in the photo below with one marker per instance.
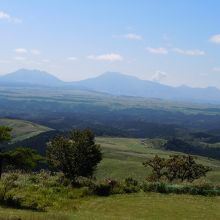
(152, 206)
(23, 129)
(123, 157)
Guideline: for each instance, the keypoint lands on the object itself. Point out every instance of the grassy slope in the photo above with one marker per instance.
(150, 206)
(23, 129)
(123, 157)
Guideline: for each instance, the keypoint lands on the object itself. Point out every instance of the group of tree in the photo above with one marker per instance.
(19, 158)
(176, 144)
(75, 154)
(175, 168)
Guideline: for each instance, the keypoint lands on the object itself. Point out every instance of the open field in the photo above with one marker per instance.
(123, 157)
(152, 206)
(23, 129)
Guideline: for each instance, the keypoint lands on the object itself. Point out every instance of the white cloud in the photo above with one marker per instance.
(18, 58)
(21, 50)
(164, 51)
(106, 57)
(159, 50)
(72, 58)
(132, 36)
(193, 52)
(35, 51)
(129, 36)
(215, 39)
(159, 76)
(7, 17)
(216, 69)
(25, 51)
(4, 16)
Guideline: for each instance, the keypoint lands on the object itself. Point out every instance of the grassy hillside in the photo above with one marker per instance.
(23, 129)
(150, 206)
(123, 157)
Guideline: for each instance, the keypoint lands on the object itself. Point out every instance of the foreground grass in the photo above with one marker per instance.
(134, 206)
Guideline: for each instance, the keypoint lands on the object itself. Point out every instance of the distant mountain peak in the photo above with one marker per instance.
(113, 83)
(116, 75)
(33, 77)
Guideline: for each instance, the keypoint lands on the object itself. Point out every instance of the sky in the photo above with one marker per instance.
(175, 42)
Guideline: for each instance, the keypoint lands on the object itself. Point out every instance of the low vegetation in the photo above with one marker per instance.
(71, 180)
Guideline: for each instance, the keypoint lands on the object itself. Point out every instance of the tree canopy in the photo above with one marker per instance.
(75, 154)
(175, 168)
(18, 158)
(5, 134)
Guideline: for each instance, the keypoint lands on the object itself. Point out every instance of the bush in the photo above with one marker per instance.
(109, 187)
(6, 184)
(25, 202)
(194, 189)
(102, 189)
(84, 181)
(131, 185)
(160, 187)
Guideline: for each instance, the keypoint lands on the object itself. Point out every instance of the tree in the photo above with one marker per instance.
(5, 134)
(157, 164)
(18, 158)
(176, 168)
(75, 154)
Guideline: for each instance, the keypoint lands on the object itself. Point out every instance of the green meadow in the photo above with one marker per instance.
(123, 157)
(141, 206)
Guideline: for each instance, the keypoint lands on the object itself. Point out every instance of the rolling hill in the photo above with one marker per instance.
(22, 130)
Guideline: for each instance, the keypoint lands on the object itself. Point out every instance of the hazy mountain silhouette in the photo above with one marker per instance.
(115, 84)
(30, 77)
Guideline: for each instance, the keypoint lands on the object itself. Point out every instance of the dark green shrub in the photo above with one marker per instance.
(130, 181)
(11, 201)
(131, 189)
(162, 188)
(102, 189)
(131, 185)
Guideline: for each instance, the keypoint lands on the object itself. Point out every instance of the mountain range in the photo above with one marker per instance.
(113, 83)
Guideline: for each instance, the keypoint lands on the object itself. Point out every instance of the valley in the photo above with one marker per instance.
(129, 130)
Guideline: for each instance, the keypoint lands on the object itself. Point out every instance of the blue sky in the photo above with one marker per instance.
(170, 41)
